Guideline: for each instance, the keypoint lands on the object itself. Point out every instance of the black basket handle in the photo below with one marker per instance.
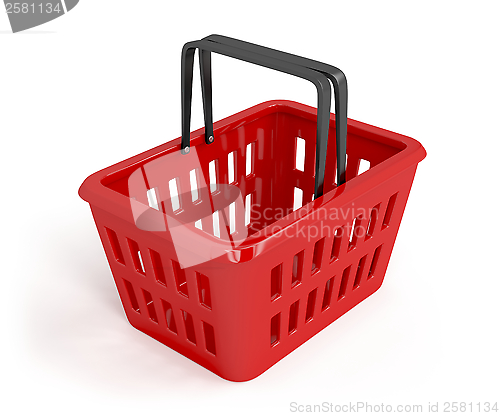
(318, 79)
(335, 75)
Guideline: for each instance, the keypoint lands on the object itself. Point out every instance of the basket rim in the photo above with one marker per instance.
(94, 191)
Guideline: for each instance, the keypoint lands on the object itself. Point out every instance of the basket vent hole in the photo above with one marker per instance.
(364, 165)
(115, 245)
(136, 256)
(372, 222)
(198, 225)
(317, 255)
(140, 261)
(275, 329)
(327, 296)
(276, 282)
(373, 265)
(189, 325)
(232, 217)
(250, 150)
(152, 198)
(169, 316)
(157, 267)
(311, 303)
(180, 279)
(356, 231)
(389, 210)
(215, 220)
(298, 195)
(174, 194)
(297, 266)
(248, 208)
(193, 180)
(212, 173)
(337, 239)
(204, 290)
(300, 153)
(150, 305)
(209, 332)
(230, 168)
(359, 273)
(293, 317)
(343, 282)
(131, 296)
(351, 235)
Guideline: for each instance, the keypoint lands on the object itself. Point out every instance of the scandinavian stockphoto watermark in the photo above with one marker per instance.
(31, 13)
(370, 408)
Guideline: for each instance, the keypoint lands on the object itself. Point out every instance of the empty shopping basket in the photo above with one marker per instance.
(236, 243)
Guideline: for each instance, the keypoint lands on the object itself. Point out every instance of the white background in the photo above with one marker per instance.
(103, 83)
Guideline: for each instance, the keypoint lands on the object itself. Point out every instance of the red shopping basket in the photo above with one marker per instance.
(235, 244)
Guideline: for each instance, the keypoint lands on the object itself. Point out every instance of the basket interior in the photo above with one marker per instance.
(256, 172)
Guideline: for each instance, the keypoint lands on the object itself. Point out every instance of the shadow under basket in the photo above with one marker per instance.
(299, 263)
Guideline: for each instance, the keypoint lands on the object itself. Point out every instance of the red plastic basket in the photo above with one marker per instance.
(241, 311)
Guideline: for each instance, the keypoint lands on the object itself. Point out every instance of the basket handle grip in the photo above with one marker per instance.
(318, 79)
(335, 75)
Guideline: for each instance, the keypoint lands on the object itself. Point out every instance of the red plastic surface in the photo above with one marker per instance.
(239, 313)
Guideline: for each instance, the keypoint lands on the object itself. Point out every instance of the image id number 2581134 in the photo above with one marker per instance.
(25, 8)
